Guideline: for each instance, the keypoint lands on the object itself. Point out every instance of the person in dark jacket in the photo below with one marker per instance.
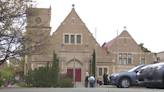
(86, 80)
(105, 79)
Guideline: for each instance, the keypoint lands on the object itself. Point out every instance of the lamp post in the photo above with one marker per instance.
(117, 55)
(74, 73)
(74, 62)
(95, 59)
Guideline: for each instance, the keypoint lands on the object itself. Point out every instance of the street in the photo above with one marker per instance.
(79, 90)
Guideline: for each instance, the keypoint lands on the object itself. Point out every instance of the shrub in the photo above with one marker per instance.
(43, 76)
(29, 78)
(66, 75)
(67, 82)
(1, 82)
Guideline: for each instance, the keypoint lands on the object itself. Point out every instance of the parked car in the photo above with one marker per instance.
(151, 75)
(125, 79)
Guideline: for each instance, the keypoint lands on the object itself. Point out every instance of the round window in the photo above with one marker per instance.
(38, 20)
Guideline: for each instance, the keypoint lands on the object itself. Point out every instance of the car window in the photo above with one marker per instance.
(135, 68)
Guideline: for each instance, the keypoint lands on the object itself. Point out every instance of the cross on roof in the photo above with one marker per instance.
(124, 27)
(73, 5)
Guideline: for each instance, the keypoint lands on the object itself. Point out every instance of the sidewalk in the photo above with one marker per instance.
(81, 85)
(78, 85)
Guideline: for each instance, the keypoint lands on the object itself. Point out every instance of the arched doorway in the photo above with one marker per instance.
(78, 74)
(78, 71)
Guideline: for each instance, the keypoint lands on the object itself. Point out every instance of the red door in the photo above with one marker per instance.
(78, 74)
(70, 71)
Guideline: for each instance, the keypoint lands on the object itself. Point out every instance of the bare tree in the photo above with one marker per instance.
(14, 35)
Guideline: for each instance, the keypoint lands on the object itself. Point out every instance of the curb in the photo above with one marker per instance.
(106, 86)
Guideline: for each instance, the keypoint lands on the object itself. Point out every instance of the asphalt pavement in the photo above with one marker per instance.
(80, 88)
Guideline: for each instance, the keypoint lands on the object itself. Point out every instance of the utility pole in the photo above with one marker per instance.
(74, 62)
(117, 55)
(95, 59)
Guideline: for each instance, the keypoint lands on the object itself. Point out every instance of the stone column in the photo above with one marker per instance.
(61, 59)
(86, 59)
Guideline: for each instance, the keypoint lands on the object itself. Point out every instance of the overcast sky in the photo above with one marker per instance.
(144, 19)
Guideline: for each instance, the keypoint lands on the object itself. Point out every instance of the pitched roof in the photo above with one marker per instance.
(160, 52)
(110, 42)
(74, 14)
(123, 34)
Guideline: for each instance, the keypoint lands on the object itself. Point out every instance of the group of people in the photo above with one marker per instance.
(91, 80)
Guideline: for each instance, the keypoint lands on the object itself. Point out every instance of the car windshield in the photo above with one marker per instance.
(135, 68)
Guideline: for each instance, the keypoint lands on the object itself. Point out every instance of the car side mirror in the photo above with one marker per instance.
(136, 71)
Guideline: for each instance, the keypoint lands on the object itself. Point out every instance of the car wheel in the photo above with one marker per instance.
(125, 82)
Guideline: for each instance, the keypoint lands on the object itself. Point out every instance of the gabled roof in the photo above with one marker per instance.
(122, 35)
(68, 20)
(73, 13)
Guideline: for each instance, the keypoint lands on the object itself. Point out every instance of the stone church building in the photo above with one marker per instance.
(73, 34)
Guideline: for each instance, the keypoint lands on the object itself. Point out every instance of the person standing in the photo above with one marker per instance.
(105, 79)
(91, 80)
(86, 81)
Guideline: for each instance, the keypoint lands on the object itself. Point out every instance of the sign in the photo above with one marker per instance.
(15, 69)
(15, 64)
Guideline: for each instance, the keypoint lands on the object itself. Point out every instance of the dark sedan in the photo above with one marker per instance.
(152, 75)
(125, 79)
